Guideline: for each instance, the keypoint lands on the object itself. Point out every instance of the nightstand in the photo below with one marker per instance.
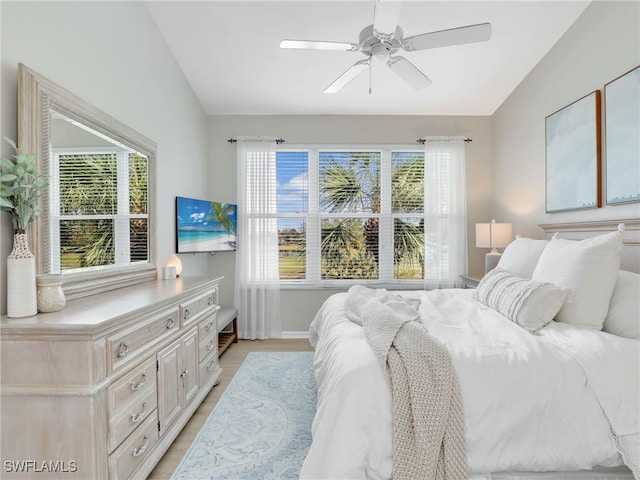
(469, 281)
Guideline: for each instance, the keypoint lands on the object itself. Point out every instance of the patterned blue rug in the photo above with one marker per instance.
(261, 426)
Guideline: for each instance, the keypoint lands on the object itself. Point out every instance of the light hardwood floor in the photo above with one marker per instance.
(230, 362)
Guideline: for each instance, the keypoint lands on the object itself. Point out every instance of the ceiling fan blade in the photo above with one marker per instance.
(351, 73)
(385, 18)
(446, 38)
(409, 72)
(314, 45)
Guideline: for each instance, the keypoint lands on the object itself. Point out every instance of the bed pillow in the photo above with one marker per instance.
(521, 256)
(623, 317)
(589, 268)
(529, 304)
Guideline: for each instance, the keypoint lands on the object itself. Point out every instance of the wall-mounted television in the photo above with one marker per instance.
(205, 226)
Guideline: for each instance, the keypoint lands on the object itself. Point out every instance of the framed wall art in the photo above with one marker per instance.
(573, 156)
(622, 138)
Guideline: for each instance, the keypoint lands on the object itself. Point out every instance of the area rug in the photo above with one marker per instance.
(261, 426)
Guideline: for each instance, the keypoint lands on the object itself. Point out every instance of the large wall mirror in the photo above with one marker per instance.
(97, 227)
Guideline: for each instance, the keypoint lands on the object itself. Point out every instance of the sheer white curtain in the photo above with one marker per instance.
(446, 211)
(257, 282)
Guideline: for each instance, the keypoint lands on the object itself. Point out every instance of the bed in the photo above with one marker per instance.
(549, 389)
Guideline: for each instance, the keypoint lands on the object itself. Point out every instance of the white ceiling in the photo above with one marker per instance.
(229, 52)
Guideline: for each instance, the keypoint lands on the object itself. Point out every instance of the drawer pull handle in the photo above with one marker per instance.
(210, 346)
(187, 313)
(209, 326)
(183, 377)
(123, 349)
(137, 386)
(210, 300)
(171, 323)
(136, 452)
(212, 363)
(136, 417)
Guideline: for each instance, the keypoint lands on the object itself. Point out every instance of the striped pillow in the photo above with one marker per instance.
(529, 304)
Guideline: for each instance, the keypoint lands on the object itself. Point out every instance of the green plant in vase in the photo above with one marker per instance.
(20, 188)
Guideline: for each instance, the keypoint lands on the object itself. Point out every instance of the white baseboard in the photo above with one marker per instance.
(290, 334)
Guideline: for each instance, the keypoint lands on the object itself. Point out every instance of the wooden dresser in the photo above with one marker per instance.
(101, 389)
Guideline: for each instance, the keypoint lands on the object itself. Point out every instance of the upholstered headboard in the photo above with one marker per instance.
(630, 259)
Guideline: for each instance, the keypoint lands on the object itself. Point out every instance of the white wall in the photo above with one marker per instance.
(111, 55)
(299, 306)
(602, 44)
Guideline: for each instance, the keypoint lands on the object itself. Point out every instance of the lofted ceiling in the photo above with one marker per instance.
(229, 52)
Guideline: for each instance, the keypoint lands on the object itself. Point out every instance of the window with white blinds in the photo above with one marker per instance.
(347, 215)
(292, 176)
(99, 209)
(408, 213)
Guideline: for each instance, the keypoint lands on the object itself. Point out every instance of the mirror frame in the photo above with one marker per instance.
(36, 96)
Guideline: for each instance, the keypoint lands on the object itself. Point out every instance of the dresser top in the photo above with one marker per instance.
(96, 314)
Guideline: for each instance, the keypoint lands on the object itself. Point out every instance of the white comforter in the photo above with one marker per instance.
(531, 402)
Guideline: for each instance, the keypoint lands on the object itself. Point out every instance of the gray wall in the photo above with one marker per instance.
(111, 55)
(602, 44)
(299, 305)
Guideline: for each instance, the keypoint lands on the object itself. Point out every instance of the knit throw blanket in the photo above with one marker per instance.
(428, 419)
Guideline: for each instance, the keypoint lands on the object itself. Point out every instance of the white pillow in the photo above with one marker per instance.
(589, 268)
(623, 317)
(529, 304)
(521, 256)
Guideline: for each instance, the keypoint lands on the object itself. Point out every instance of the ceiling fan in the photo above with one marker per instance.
(384, 38)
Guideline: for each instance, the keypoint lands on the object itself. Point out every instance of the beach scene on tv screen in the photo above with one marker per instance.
(205, 226)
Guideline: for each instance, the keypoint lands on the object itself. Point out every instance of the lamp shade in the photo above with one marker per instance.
(493, 235)
(174, 261)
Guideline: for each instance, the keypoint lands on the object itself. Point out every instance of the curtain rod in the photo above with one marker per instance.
(422, 141)
(281, 140)
(277, 140)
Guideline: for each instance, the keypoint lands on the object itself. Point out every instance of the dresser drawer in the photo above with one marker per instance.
(208, 327)
(208, 334)
(208, 347)
(130, 418)
(208, 368)
(132, 387)
(193, 309)
(126, 346)
(124, 461)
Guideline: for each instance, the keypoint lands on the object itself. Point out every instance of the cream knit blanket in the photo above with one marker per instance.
(428, 420)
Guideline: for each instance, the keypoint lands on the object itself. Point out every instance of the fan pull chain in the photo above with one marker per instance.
(369, 75)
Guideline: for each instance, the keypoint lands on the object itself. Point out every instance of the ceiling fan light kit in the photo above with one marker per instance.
(381, 40)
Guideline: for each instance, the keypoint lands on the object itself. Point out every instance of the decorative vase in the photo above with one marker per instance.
(21, 279)
(50, 293)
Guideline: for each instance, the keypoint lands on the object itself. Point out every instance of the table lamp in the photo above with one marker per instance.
(492, 235)
(174, 261)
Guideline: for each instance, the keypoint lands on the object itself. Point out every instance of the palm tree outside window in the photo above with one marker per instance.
(99, 209)
(358, 215)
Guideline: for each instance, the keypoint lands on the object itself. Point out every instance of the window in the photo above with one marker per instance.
(98, 205)
(347, 215)
(350, 206)
(292, 176)
(407, 207)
